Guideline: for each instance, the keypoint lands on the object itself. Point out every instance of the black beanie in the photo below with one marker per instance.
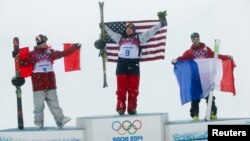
(40, 39)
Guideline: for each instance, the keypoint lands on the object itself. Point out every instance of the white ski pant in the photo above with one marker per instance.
(50, 96)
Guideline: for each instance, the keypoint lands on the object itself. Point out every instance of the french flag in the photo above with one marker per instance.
(198, 76)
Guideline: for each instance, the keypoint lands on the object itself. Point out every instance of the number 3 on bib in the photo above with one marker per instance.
(126, 52)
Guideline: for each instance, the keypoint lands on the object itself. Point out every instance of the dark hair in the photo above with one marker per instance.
(195, 34)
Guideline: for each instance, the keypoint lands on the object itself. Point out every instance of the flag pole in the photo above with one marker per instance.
(211, 93)
(103, 50)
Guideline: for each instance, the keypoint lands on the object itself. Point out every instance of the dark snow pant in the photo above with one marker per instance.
(127, 84)
(194, 111)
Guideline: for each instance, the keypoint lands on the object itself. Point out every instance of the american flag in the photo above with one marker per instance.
(153, 49)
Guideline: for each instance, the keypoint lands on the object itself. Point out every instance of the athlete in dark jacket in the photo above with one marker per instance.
(128, 66)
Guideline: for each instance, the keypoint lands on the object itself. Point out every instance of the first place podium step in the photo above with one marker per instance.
(140, 127)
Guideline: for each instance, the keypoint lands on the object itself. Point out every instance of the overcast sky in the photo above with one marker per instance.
(81, 93)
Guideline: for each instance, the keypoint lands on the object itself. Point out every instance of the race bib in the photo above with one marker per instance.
(128, 51)
(43, 66)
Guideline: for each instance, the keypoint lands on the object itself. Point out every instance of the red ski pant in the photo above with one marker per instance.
(127, 84)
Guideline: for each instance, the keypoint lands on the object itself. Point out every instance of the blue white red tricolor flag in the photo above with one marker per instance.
(153, 49)
(197, 77)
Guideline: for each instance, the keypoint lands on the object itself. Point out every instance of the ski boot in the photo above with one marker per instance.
(132, 112)
(121, 112)
(196, 118)
(64, 121)
(213, 117)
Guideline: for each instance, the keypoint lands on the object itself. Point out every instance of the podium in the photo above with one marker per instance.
(45, 134)
(140, 127)
(186, 130)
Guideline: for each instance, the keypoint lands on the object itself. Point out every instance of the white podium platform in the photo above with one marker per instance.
(45, 134)
(187, 130)
(140, 127)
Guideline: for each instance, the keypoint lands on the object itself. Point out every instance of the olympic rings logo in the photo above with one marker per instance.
(126, 126)
(42, 56)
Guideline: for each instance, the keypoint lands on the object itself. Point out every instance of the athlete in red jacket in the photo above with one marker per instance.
(44, 81)
(199, 50)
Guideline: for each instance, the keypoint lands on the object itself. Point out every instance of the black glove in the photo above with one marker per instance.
(77, 45)
(163, 23)
(14, 53)
(231, 57)
(174, 61)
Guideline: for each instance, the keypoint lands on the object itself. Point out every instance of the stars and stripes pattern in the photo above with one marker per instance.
(153, 49)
